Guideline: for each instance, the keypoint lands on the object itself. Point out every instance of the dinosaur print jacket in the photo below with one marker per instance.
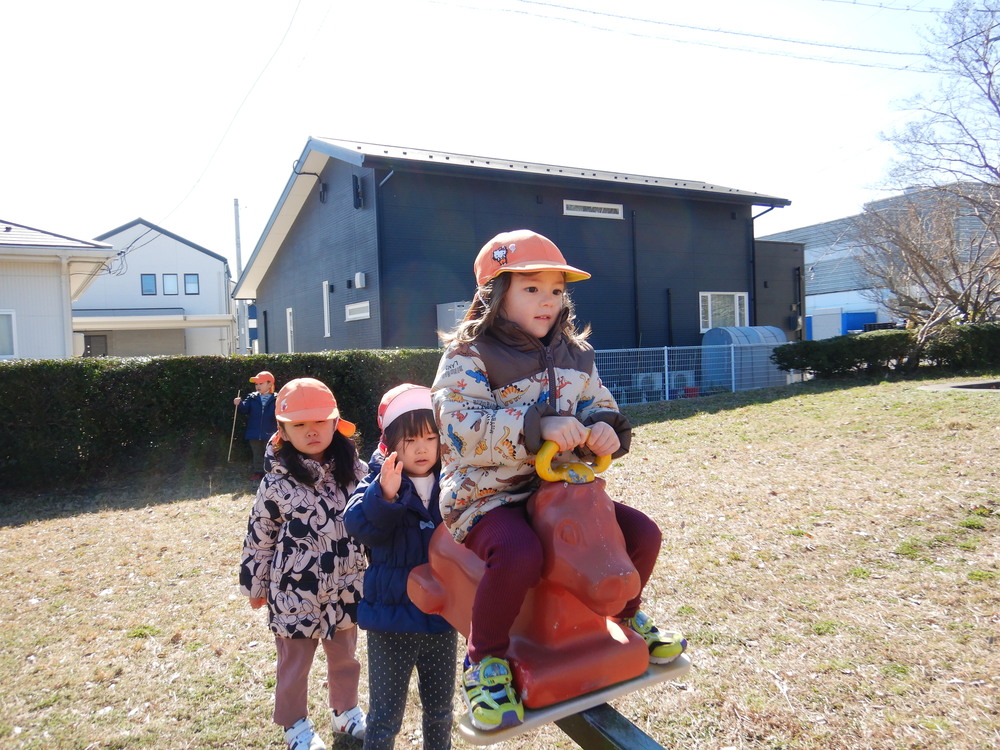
(298, 555)
(490, 396)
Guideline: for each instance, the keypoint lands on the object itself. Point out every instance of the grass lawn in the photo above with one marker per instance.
(830, 551)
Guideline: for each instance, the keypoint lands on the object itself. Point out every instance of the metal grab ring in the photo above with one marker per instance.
(574, 472)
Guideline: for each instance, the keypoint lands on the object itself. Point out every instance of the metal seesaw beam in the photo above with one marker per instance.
(603, 728)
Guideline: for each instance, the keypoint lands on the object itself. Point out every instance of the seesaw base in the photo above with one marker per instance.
(536, 717)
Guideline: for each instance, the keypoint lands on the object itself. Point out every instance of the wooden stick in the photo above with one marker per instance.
(232, 435)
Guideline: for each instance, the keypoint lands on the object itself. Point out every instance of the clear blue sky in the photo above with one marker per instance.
(115, 109)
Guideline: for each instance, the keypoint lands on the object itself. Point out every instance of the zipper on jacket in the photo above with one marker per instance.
(550, 367)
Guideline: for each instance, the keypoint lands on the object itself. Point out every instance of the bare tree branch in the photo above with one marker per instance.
(956, 135)
(933, 256)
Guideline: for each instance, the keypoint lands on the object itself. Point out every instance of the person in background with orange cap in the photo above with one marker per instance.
(300, 562)
(394, 512)
(516, 373)
(259, 408)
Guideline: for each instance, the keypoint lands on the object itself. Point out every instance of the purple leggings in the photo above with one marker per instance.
(512, 552)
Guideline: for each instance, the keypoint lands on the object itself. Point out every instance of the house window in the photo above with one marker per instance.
(325, 291)
(95, 346)
(594, 210)
(290, 329)
(357, 311)
(8, 347)
(170, 283)
(723, 309)
(191, 284)
(148, 281)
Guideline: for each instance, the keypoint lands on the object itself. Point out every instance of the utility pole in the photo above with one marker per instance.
(242, 325)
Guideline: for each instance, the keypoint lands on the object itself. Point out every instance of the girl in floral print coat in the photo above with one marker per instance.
(516, 373)
(299, 560)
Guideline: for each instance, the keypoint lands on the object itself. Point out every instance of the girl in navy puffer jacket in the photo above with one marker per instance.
(394, 512)
(261, 424)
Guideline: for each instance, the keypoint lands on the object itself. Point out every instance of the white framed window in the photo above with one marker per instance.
(593, 210)
(8, 335)
(326, 309)
(722, 309)
(357, 311)
(290, 329)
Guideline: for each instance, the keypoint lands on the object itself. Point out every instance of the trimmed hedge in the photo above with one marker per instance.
(874, 351)
(879, 352)
(64, 422)
(967, 347)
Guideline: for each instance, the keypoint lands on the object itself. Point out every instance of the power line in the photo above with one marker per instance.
(880, 6)
(225, 134)
(721, 31)
(713, 45)
(120, 257)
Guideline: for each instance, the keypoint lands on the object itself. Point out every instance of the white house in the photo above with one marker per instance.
(41, 273)
(161, 294)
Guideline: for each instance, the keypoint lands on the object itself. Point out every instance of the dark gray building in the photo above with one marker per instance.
(372, 247)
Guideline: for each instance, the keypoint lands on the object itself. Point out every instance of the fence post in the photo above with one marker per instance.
(732, 368)
(666, 373)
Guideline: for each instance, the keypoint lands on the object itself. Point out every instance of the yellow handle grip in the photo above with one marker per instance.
(575, 472)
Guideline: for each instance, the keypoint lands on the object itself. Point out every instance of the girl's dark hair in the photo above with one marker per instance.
(342, 454)
(485, 314)
(411, 424)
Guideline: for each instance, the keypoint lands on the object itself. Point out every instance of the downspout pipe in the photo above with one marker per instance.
(66, 299)
(753, 266)
(379, 220)
(636, 324)
(670, 318)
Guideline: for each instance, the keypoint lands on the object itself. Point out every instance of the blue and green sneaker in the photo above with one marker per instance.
(664, 645)
(489, 693)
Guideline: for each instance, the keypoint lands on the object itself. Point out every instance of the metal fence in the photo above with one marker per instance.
(637, 376)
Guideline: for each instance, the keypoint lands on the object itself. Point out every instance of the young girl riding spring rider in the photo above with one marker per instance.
(517, 373)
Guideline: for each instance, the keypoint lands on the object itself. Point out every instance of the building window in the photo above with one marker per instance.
(290, 329)
(170, 283)
(723, 309)
(8, 346)
(357, 311)
(191, 284)
(148, 281)
(95, 346)
(594, 210)
(325, 291)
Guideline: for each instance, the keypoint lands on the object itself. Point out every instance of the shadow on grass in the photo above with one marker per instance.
(131, 487)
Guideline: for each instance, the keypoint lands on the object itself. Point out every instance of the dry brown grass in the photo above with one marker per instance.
(830, 552)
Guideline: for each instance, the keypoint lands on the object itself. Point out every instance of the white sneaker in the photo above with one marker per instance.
(352, 722)
(302, 736)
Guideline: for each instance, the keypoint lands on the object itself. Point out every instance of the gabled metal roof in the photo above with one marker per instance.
(319, 150)
(363, 154)
(160, 230)
(17, 236)
(82, 259)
